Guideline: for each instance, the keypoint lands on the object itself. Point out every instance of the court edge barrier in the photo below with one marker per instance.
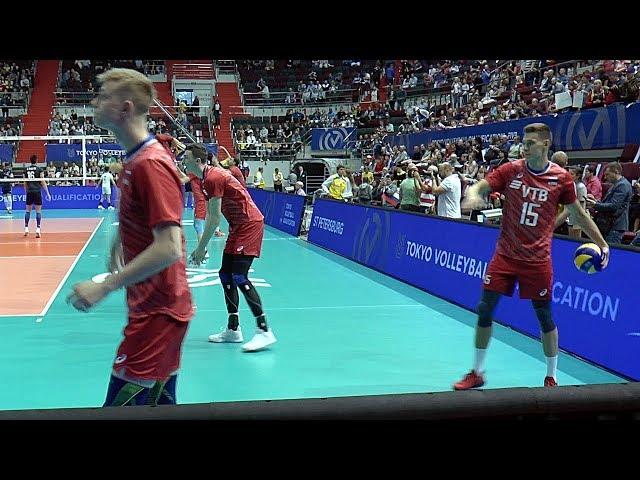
(63, 197)
(283, 211)
(448, 258)
(568, 402)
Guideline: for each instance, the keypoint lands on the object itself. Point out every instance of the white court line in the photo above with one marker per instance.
(24, 257)
(62, 231)
(264, 239)
(326, 307)
(55, 294)
(22, 243)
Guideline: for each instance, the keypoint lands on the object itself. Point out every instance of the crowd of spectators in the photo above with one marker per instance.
(16, 83)
(305, 81)
(80, 75)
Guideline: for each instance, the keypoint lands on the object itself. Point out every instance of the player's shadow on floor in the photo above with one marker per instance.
(581, 369)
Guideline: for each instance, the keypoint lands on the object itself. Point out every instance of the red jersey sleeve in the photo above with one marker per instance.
(499, 178)
(568, 194)
(213, 184)
(159, 188)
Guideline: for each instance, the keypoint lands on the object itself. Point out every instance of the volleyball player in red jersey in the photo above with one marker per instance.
(226, 196)
(533, 189)
(148, 257)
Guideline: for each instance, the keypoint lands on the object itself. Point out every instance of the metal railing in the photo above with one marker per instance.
(13, 111)
(18, 98)
(198, 71)
(226, 67)
(74, 98)
(296, 98)
(154, 67)
(267, 150)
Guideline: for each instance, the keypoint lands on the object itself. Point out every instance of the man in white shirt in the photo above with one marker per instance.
(106, 180)
(448, 191)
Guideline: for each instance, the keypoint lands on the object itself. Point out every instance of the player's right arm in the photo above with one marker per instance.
(473, 196)
(584, 221)
(214, 215)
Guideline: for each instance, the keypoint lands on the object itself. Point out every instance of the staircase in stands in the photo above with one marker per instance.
(36, 121)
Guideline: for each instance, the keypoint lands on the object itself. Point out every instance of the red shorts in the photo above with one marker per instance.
(245, 239)
(151, 347)
(534, 280)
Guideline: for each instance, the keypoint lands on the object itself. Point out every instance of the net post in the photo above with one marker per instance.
(84, 161)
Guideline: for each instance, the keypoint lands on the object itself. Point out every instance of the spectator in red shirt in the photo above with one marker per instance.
(592, 182)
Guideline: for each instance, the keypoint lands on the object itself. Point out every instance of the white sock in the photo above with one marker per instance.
(478, 364)
(552, 365)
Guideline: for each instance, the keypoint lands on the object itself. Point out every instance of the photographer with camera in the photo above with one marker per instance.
(448, 191)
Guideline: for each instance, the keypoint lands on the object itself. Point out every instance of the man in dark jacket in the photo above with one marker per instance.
(615, 202)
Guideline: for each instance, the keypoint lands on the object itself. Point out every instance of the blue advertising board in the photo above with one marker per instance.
(608, 127)
(62, 197)
(596, 314)
(331, 138)
(281, 210)
(6, 152)
(73, 152)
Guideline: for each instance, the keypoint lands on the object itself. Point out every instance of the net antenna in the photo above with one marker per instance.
(165, 110)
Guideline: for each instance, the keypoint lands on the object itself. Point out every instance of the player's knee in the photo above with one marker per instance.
(484, 314)
(226, 279)
(241, 279)
(486, 307)
(543, 312)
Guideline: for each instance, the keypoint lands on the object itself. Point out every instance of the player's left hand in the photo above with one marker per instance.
(197, 256)
(48, 197)
(86, 294)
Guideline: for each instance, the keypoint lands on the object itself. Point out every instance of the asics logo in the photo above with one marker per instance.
(543, 292)
(120, 358)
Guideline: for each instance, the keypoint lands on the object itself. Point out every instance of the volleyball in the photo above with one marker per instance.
(588, 258)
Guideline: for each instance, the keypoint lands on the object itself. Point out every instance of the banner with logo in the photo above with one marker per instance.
(596, 314)
(607, 127)
(331, 138)
(6, 152)
(281, 210)
(62, 197)
(62, 152)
